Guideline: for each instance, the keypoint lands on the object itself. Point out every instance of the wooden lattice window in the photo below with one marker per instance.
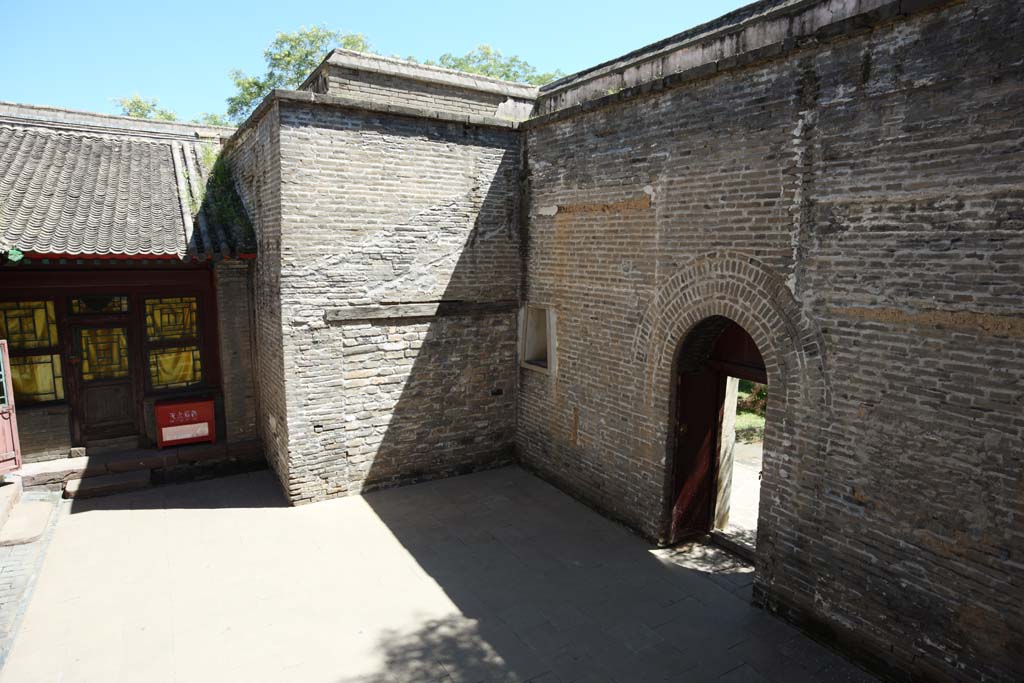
(89, 305)
(172, 342)
(104, 352)
(30, 328)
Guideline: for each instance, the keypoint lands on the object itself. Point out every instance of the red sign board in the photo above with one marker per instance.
(181, 422)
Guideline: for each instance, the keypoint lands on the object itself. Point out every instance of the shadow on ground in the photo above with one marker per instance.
(262, 491)
(550, 591)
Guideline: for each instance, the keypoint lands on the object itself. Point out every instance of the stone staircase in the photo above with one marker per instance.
(107, 470)
(21, 521)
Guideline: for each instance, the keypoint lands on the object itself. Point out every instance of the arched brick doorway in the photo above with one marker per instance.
(714, 350)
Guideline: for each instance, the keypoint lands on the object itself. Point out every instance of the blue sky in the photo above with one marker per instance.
(81, 55)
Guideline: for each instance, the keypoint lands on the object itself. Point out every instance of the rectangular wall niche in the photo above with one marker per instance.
(537, 345)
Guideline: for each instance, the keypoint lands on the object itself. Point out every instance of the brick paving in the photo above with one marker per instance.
(19, 567)
(488, 577)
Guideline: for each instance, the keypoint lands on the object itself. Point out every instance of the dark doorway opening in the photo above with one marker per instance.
(711, 362)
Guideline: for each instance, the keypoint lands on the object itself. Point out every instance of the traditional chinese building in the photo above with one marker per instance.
(130, 283)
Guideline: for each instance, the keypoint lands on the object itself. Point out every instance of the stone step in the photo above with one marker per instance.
(58, 472)
(107, 484)
(10, 494)
(26, 524)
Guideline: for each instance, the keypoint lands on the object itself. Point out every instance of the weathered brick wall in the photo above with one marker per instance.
(44, 432)
(856, 204)
(235, 314)
(254, 154)
(379, 211)
(392, 90)
(389, 81)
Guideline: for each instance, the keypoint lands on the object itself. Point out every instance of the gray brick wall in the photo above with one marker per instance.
(44, 432)
(856, 205)
(393, 90)
(235, 313)
(388, 81)
(384, 210)
(844, 182)
(254, 154)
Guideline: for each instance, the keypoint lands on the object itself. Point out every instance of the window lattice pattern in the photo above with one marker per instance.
(28, 324)
(175, 367)
(37, 379)
(99, 304)
(104, 352)
(169, 319)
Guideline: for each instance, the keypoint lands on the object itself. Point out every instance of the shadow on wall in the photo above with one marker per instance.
(429, 381)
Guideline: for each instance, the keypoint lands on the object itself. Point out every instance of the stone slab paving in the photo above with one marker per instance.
(19, 568)
(488, 577)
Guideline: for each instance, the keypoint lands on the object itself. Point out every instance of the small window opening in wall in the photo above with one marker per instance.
(537, 337)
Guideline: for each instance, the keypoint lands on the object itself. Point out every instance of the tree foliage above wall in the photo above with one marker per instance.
(291, 57)
(486, 61)
(141, 108)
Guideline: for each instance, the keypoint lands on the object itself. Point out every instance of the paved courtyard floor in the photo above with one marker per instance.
(488, 577)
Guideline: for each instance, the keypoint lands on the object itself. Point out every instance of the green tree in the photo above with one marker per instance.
(210, 119)
(487, 61)
(290, 59)
(141, 108)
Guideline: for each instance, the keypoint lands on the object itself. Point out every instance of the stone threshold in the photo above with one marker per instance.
(134, 468)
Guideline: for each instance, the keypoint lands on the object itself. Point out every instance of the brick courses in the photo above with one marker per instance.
(856, 206)
(844, 182)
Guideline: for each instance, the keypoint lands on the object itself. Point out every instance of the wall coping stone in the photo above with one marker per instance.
(107, 124)
(400, 68)
(306, 97)
(801, 32)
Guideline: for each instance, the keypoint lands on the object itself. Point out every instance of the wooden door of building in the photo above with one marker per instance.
(700, 398)
(103, 370)
(10, 451)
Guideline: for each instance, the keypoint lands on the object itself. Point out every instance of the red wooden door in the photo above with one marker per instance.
(10, 449)
(698, 419)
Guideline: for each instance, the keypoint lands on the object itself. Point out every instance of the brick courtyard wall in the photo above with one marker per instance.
(235, 314)
(44, 432)
(854, 200)
(389, 81)
(254, 156)
(384, 216)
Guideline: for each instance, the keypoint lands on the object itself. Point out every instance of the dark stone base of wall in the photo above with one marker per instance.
(500, 457)
(239, 458)
(852, 644)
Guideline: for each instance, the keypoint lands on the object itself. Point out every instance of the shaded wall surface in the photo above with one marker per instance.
(255, 159)
(399, 276)
(856, 205)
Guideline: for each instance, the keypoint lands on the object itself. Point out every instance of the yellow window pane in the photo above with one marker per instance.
(176, 367)
(28, 324)
(37, 379)
(104, 352)
(171, 318)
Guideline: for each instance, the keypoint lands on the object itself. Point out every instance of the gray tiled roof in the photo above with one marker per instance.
(76, 191)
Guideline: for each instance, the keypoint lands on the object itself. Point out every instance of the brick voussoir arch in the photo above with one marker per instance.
(741, 288)
(745, 290)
